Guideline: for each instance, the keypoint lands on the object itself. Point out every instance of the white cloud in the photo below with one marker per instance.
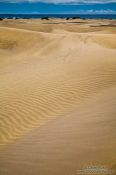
(95, 12)
(62, 1)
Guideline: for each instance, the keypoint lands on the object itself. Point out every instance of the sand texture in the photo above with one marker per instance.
(57, 96)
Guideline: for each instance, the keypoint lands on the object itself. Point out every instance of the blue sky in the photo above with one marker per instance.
(58, 6)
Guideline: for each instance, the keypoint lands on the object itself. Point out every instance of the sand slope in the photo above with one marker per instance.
(63, 75)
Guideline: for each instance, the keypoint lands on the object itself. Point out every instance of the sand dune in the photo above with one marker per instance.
(63, 75)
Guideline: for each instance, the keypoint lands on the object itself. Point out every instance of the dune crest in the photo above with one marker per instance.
(57, 96)
(46, 73)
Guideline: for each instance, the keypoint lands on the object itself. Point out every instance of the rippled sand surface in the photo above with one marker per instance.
(57, 96)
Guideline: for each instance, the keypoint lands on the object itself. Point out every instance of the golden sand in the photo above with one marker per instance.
(61, 76)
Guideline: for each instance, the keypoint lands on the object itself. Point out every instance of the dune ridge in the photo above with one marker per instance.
(46, 73)
(57, 96)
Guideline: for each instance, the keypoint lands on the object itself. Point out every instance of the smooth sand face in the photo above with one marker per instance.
(57, 96)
